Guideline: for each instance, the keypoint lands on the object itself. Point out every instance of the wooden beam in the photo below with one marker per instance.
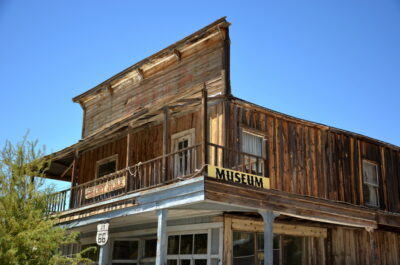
(110, 89)
(140, 73)
(289, 204)
(205, 124)
(228, 240)
(177, 54)
(66, 170)
(226, 63)
(165, 143)
(128, 147)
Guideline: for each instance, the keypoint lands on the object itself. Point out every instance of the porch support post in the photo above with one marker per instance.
(104, 253)
(74, 179)
(268, 217)
(205, 124)
(165, 143)
(161, 257)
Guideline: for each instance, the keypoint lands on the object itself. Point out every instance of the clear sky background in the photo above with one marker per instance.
(332, 62)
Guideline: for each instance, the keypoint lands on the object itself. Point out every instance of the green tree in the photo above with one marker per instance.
(28, 234)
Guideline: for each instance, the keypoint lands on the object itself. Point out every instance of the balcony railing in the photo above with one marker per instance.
(152, 173)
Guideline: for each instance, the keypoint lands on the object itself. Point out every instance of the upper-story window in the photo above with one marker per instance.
(106, 166)
(184, 160)
(253, 144)
(371, 183)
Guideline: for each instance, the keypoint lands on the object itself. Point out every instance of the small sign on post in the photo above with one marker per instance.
(102, 234)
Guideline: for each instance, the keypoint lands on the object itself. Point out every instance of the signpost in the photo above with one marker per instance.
(102, 234)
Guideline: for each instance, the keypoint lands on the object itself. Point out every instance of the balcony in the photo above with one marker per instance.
(159, 171)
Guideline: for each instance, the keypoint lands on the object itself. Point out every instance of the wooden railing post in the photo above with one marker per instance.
(205, 124)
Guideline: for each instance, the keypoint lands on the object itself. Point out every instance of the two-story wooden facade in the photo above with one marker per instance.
(185, 173)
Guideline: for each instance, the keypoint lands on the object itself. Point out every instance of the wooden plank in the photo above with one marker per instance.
(252, 225)
(205, 125)
(228, 241)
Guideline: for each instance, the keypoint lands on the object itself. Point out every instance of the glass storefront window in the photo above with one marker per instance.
(182, 249)
(125, 250)
(243, 248)
(150, 248)
(186, 244)
(248, 249)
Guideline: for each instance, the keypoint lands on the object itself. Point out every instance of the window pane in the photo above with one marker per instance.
(200, 244)
(185, 262)
(186, 244)
(214, 262)
(172, 262)
(150, 248)
(252, 144)
(118, 263)
(125, 250)
(370, 173)
(200, 262)
(173, 245)
(243, 244)
(214, 241)
(292, 250)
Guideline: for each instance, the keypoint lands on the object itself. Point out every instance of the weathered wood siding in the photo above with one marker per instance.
(88, 159)
(146, 143)
(202, 63)
(353, 247)
(316, 161)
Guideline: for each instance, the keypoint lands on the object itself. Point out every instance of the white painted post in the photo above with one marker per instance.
(161, 257)
(268, 217)
(103, 255)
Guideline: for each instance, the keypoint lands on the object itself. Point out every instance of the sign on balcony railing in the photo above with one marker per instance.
(238, 177)
(106, 187)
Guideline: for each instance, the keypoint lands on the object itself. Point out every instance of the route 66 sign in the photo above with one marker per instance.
(102, 234)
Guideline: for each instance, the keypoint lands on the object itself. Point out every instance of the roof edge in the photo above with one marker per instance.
(320, 125)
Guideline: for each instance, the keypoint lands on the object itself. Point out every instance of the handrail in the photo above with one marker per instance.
(152, 173)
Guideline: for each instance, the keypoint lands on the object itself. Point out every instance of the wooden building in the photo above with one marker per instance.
(184, 173)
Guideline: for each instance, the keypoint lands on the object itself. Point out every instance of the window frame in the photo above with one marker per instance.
(375, 186)
(175, 139)
(192, 257)
(104, 161)
(261, 135)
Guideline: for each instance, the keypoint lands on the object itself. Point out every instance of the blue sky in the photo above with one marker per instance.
(332, 62)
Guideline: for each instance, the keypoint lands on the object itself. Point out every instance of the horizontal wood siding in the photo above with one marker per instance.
(313, 161)
(201, 65)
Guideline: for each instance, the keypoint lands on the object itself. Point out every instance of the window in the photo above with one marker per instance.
(248, 249)
(125, 252)
(371, 183)
(106, 166)
(253, 145)
(188, 249)
(183, 161)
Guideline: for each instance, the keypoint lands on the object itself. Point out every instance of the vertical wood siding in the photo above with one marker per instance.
(88, 159)
(313, 161)
(352, 247)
